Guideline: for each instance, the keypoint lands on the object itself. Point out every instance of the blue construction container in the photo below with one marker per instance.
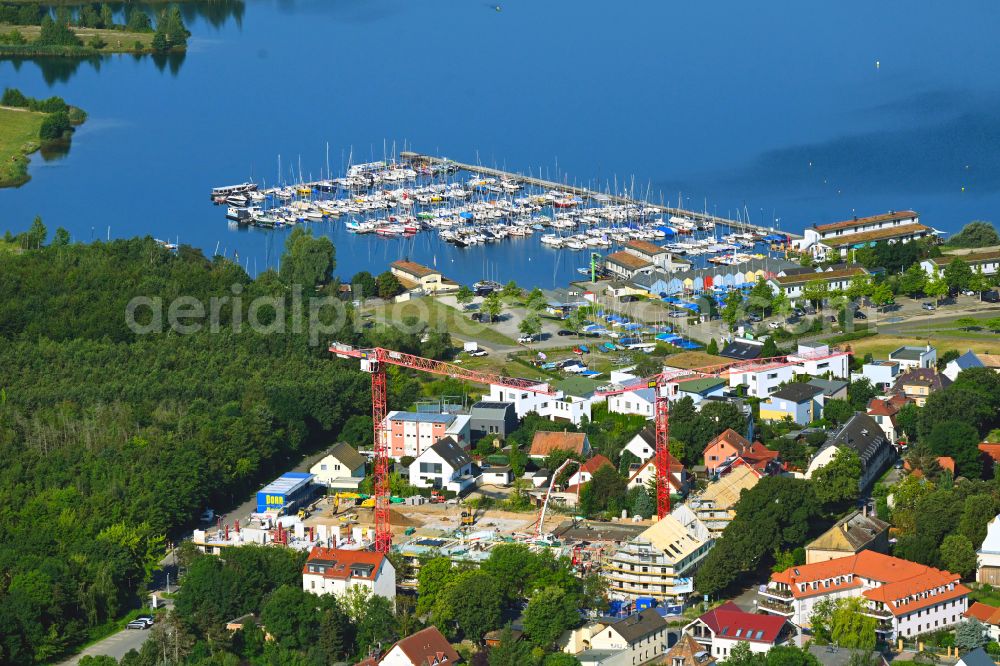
(284, 492)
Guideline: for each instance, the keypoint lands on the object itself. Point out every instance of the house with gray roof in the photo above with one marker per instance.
(497, 419)
(445, 465)
(865, 437)
(342, 468)
(833, 389)
(636, 639)
(912, 356)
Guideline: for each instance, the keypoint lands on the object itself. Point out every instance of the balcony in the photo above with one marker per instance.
(777, 592)
(878, 613)
(775, 607)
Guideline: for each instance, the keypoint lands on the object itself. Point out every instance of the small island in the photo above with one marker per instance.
(29, 31)
(28, 124)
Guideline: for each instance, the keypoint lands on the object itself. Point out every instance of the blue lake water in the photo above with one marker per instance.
(799, 112)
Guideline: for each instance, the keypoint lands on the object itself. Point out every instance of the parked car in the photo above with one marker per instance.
(753, 317)
(858, 314)
(929, 306)
(798, 312)
(774, 325)
(207, 516)
(677, 313)
(479, 352)
(526, 339)
(562, 332)
(144, 622)
(991, 296)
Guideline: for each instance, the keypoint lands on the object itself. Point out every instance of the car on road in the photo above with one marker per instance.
(799, 312)
(929, 306)
(144, 622)
(858, 314)
(677, 313)
(562, 332)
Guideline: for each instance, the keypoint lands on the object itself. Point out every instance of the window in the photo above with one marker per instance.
(323, 467)
(430, 468)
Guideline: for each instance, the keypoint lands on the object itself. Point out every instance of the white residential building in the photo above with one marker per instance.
(905, 598)
(724, 627)
(640, 402)
(558, 406)
(763, 379)
(424, 648)
(445, 465)
(820, 361)
(880, 374)
(988, 261)
(636, 639)
(964, 362)
(334, 571)
(343, 468)
(910, 357)
(988, 555)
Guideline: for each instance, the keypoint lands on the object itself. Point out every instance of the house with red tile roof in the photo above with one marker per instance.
(990, 453)
(988, 615)
(944, 462)
(544, 443)
(729, 445)
(724, 627)
(427, 647)
(586, 471)
(905, 598)
(641, 474)
(335, 571)
(883, 411)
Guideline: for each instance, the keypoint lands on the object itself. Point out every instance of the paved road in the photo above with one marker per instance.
(115, 645)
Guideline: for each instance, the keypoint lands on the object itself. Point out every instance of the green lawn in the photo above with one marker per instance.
(18, 139)
(115, 41)
(880, 345)
(443, 317)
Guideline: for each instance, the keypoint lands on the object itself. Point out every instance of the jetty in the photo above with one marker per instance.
(694, 216)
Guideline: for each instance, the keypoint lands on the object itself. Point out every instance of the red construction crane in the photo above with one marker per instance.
(373, 361)
(661, 420)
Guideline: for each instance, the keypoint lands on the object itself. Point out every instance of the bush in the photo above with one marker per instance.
(96, 43)
(13, 97)
(55, 126)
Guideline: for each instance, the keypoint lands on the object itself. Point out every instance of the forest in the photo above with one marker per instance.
(113, 442)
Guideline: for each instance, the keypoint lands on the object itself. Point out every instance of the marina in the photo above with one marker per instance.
(427, 201)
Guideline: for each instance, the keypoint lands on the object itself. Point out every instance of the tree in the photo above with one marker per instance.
(435, 575)
(836, 483)
(774, 514)
(860, 392)
(107, 17)
(908, 419)
(138, 20)
(363, 285)
(971, 634)
(761, 295)
(975, 234)
(913, 280)
(769, 349)
(55, 126)
(576, 320)
(850, 627)
(307, 261)
(960, 441)
(36, 235)
(936, 287)
(978, 511)
(492, 306)
(742, 655)
(510, 651)
(979, 281)
(550, 612)
(958, 555)
(816, 291)
(531, 325)
(606, 490)
(535, 300)
(512, 566)
(860, 287)
(290, 616)
(510, 290)
(464, 296)
(780, 304)
(733, 308)
(882, 295)
(712, 348)
(160, 43)
(837, 411)
(388, 285)
(469, 605)
(957, 275)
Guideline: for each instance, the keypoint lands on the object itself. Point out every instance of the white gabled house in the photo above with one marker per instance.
(556, 407)
(446, 465)
(640, 402)
(343, 468)
(335, 571)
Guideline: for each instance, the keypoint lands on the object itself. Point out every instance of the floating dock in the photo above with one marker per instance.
(694, 216)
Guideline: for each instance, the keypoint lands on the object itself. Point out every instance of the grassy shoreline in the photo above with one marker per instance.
(115, 41)
(19, 138)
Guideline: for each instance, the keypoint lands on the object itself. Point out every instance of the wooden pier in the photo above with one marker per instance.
(694, 216)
